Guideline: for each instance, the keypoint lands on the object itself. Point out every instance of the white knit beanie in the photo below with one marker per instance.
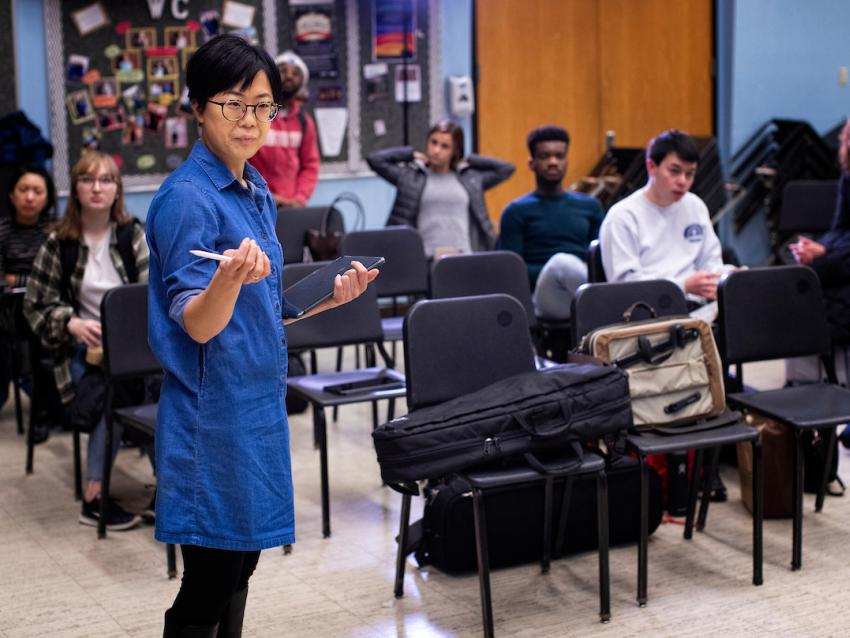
(290, 57)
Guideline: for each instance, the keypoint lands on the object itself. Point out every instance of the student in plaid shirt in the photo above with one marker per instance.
(68, 321)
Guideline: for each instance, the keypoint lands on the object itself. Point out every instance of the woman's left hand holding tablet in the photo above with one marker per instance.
(248, 264)
(352, 283)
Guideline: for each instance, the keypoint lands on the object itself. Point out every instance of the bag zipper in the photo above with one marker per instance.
(470, 412)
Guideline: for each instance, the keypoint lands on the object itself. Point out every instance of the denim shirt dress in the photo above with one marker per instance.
(222, 441)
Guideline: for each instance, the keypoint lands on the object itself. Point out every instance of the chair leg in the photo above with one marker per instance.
(391, 409)
(824, 481)
(107, 468)
(401, 556)
(483, 561)
(561, 538)
(78, 466)
(171, 558)
(692, 494)
(321, 427)
(546, 560)
(19, 413)
(374, 415)
(602, 523)
(335, 413)
(758, 514)
(706, 489)
(797, 542)
(31, 435)
(643, 541)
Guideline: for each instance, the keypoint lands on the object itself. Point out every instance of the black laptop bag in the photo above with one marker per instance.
(535, 411)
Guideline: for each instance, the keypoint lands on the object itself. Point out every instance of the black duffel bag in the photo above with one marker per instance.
(533, 411)
(445, 536)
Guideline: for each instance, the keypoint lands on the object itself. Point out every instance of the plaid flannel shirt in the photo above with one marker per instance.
(48, 314)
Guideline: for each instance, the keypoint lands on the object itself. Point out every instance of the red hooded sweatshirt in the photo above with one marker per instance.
(289, 160)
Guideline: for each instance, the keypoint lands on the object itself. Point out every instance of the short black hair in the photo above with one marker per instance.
(227, 61)
(19, 171)
(547, 134)
(672, 141)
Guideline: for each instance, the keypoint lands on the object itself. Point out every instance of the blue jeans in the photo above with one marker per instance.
(557, 284)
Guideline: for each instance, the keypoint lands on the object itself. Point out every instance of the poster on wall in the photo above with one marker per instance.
(120, 74)
(394, 29)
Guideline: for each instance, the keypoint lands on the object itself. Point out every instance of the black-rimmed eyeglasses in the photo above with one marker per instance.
(235, 110)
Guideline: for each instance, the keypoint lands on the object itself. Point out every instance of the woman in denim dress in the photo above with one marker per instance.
(224, 486)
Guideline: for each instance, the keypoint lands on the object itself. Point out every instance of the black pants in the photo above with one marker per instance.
(210, 578)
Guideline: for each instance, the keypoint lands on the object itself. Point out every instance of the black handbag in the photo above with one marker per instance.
(90, 395)
(324, 245)
(531, 412)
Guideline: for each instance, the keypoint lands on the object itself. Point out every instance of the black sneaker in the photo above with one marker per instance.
(117, 519)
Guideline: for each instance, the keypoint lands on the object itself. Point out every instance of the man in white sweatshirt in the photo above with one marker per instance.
(663, 231)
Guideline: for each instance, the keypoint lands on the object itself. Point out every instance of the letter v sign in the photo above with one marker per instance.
(155, 7)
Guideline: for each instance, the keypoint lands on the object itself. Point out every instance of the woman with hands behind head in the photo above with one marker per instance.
(224, 486)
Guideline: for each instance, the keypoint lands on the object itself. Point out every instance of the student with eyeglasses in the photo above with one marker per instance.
(94, 247)
(224, 484)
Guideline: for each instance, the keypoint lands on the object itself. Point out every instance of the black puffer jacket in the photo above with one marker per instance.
(477, 174)
(833, 269)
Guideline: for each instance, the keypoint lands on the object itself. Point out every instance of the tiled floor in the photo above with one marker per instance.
(58, 580)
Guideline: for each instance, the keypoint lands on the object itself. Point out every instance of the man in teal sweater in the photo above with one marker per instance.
(550, 228)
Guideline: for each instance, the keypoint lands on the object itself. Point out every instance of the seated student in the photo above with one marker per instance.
(663, 231)
(108, 243)
(549, 228)
(31, 197)
(440, 194)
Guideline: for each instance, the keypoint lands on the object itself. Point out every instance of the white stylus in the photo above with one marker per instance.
(209, 255)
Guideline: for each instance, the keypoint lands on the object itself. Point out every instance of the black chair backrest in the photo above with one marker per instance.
(595, 269)
(459, 345)
(406, 269)
(487, 273)
(292, 226)
(356, 322)
(597, 305)
(771, 313)
(124, 332)
(808, 206)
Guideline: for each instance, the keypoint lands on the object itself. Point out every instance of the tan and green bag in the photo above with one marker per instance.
(674, 369)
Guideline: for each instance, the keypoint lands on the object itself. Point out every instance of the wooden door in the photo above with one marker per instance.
(636, 67)
(538, 64)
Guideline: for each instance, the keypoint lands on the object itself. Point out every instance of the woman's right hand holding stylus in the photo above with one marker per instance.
(248, 264)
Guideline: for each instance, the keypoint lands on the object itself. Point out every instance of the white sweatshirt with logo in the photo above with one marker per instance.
(640, 240)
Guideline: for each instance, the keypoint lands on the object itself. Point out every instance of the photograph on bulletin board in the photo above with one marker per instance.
(394, 29)
(122, 77)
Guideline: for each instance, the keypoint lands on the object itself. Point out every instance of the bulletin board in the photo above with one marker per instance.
(9, 96)
(116, 73)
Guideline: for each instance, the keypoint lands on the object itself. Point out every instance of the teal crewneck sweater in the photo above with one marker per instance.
(537, 227)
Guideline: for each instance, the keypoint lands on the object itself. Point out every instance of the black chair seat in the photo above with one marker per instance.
(650, 443)
(311, 387)
(511, 476)
(141, 417)
(803, 406)
(392, 327)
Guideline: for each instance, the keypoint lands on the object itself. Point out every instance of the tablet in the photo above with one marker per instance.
(307, 293)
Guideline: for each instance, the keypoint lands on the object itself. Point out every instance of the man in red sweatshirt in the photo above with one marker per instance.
(289, 161)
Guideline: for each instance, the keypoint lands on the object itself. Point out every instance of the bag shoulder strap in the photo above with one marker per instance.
(124, 235)
(69, 252)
